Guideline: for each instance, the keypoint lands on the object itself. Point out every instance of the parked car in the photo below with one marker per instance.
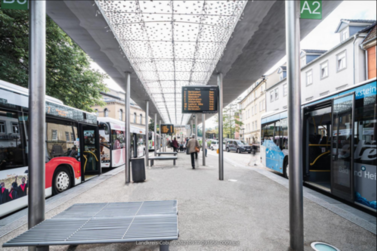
(215, 145)
(238, 146)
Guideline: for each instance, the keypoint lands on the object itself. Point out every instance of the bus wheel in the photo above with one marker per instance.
(286, 171)
(62, 180)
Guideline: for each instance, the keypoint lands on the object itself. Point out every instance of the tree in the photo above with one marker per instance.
(151, 126)
(68, 74)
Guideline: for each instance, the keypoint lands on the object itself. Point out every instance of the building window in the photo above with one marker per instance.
(303, 61)
(15, 127)
(271, 96)
(285, 90)
(341, 61)
(121, 114)
(252, 111)
(141, 119)
(54, 135)
(324, 70)
(2, 127)
(67, 136)
(72, 137)
(96, 112)
(276, 93)
(106, 112)
(134, 117)
(344, 35)
(309, 78)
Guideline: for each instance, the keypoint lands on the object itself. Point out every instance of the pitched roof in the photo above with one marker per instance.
(372, 34)
(366, 21)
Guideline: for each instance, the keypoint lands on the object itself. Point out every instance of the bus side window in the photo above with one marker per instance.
(284, 134)
(59, 141)
(11, 147)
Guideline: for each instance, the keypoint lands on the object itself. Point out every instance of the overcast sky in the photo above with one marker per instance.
(322, 37)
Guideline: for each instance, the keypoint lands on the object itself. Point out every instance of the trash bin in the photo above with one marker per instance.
(138, 170)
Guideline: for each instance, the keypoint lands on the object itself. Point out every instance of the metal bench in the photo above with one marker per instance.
(99, 223)
(166, 153)
(152, 159)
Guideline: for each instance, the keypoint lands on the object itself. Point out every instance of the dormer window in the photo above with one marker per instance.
(303, 61)
(344, 35)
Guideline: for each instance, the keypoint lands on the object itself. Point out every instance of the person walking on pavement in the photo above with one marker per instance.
(193, 146)
(175, 145)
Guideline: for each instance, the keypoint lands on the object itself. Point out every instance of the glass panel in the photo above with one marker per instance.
(342, 147)
(58, 144)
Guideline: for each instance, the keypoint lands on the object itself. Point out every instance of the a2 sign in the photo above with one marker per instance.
(14, 4)
(311, 9)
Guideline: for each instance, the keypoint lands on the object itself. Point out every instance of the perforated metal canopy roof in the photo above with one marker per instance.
(95, 223)
(170, 44)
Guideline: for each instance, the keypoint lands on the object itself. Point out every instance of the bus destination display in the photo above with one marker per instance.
(199, 99)
(167, 129)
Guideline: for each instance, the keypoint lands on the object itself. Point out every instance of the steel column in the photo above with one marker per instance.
(220, 107)
(160, 143)
(155, 134)
(196, 126)
(37, 113)
(204, 138)
(292, 29)
(191, 128)
(127, 128)
(146, 132)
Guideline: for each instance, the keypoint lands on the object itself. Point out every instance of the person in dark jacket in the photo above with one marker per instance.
(191, 145)
(175, 145)
(22, 189)
(4, 193)
(13, 192)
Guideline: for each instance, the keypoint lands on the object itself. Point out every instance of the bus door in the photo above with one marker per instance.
(89, 150)
(342, 147)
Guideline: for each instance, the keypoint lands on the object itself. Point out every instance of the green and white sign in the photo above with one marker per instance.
(14, 4)
(311, 9)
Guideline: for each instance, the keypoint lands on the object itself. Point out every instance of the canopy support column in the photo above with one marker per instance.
(127, 128)
(220, 126)
(37, 113)
(292, 29)
(146, 132)
(160, 144)
(204, 138)
(155, 134)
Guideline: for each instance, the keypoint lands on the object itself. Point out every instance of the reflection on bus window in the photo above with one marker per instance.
(11, 149)
(117, 139)
(57, 143)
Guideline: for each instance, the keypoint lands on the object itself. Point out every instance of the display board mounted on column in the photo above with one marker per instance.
(167, 129)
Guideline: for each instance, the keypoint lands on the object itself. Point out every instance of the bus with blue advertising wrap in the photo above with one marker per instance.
(339, 143)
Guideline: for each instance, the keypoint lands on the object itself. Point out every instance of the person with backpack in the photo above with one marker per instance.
(193, 149)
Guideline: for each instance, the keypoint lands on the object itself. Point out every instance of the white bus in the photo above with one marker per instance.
(112, 142)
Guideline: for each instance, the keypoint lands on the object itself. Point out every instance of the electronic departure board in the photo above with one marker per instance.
(167, 129)
(199, 99)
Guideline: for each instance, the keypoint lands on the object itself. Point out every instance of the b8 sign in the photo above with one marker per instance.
(14, 4)
(311, 9)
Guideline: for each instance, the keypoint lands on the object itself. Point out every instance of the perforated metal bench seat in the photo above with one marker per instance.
(96, 223)
(167, 153)
(152, 159)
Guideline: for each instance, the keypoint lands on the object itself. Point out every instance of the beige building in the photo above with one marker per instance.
(253, 106)
(115, 109)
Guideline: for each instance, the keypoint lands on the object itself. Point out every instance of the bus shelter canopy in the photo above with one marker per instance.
(170, 44)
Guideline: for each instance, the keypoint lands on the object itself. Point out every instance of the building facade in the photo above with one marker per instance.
(324, 72)
(253, 106)
(115, 108)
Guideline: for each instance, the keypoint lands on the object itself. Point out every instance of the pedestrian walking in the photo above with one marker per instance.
(193, 149)
(254, 149)
(175, 145)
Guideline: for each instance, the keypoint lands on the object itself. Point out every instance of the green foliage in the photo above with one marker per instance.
(68, 74)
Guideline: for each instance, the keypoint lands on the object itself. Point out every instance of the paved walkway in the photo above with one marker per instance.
(247, 209)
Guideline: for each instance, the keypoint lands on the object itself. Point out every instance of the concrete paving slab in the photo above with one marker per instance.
(248, 213)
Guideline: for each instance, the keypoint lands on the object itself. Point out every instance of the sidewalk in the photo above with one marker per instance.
(248, 209)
